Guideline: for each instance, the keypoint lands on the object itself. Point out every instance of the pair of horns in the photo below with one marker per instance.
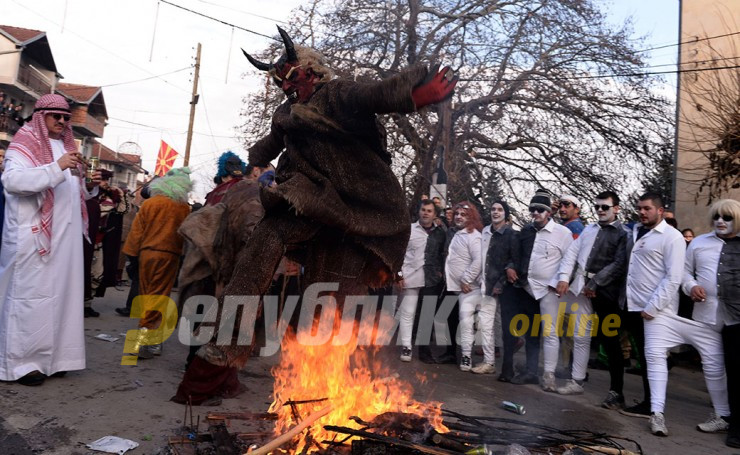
(290, 53)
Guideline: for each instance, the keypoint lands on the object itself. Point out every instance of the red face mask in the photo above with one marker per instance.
(297, 83)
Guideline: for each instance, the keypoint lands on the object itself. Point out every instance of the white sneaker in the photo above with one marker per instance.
(484, 368)
(548, 382)
(405, 354)
(657, 424)
(571, 387)
(465, 363)
(714, 424)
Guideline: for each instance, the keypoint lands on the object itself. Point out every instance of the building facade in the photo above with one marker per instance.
(708, 110)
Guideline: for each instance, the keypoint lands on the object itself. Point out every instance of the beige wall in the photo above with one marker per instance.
(8, 62)
(700, 19)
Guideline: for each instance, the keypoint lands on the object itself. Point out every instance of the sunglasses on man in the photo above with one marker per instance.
(602, 207)
(565, 204)
(58, 117)
(727, 218)
(537, 209)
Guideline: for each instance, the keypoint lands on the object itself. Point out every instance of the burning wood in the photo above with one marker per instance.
(358, 386)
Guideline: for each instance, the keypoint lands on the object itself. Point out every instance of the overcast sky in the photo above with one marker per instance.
(106, 42)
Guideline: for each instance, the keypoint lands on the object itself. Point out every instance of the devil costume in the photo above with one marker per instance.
(337, 208)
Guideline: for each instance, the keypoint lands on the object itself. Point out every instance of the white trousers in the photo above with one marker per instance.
(666, 331)
(486, 307)
(405, 314)
(552, 310)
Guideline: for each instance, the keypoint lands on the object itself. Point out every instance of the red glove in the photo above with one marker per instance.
(437, 87)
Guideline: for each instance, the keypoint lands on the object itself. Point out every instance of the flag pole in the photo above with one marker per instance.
(193, 102)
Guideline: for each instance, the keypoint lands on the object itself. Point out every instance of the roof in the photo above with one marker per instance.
(20, 35)
(82, 94)
(33, 43)
(109, 156)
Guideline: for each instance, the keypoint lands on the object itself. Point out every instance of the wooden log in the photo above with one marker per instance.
(446, 443)
(295, 431)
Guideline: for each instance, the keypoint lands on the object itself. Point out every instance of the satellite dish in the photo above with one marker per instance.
(129, 148)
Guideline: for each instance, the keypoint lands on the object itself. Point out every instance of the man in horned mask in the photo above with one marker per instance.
(337, 208)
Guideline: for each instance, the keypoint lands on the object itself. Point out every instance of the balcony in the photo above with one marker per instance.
(33, 79)
(85, 123)
(8, 128)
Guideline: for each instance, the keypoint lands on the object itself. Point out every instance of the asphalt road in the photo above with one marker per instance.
(133, 401)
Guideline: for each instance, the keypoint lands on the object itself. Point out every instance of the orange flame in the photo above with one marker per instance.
(350, 378)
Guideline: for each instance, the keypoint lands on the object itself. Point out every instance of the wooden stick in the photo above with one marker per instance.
(391, 441)
(286, 437)
(600, 449)
(241, 416)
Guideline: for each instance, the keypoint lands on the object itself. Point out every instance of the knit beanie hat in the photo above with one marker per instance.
(541, 199)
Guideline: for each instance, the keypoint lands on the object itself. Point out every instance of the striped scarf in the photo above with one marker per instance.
(33, 144)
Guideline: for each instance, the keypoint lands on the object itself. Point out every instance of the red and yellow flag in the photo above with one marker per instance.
(165, 159)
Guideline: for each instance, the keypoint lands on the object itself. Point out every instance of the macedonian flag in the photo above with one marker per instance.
(165, 159)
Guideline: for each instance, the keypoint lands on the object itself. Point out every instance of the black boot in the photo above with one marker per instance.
(449, 356)
(425, 354)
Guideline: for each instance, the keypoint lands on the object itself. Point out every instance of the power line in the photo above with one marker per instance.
(205, 109)
(118, 56)
(219, 20)
(689, 41)
(171, 130)
(146, 78)
(602, 76)
(243, 12)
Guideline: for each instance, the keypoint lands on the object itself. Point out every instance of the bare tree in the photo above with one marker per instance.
(537, 103)
(713, 123)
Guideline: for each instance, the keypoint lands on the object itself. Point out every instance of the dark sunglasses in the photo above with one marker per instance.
(536, 209)
(565, 204)
(727, 218)
(60, 116)
(603, 207)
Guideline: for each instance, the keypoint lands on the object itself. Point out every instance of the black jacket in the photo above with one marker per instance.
(608, 261)
(523, 252)
(500, 256)
(434, 256)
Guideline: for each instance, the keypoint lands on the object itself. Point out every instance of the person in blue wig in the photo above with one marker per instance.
(231, 169)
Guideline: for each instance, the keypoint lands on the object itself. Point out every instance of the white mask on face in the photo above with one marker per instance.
(497, 216)
(723, 227)
(605, 216)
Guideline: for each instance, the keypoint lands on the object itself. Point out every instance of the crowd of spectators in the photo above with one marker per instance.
(11, 114)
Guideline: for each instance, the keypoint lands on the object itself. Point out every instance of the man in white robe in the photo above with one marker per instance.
(41, 267)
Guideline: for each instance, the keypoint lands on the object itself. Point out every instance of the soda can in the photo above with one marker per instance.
(513, 407)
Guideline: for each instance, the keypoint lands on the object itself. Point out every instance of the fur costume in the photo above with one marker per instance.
(214, 236)
(337, 208)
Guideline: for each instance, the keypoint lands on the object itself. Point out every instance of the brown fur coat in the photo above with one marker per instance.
(335, 171)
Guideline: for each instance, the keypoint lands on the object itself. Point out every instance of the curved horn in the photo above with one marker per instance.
(289, 48)
(259, 65)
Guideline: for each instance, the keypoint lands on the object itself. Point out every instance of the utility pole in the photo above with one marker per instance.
(193, 102)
